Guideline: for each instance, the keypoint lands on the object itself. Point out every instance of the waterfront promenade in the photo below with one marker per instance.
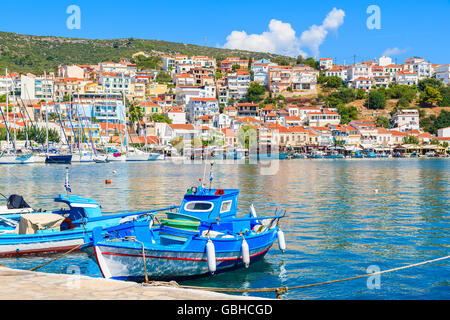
(29, 285)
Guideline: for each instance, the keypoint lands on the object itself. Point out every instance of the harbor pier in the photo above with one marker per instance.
(30, 285)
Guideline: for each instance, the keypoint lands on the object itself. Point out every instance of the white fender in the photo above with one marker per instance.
(245, 253)
(253, 211)
(253, 214)
(281, 241)
(211, 256)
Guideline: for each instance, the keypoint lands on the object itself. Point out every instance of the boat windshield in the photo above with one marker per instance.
(199, 206)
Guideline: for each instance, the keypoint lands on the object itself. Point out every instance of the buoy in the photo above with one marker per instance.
(245, 253)
(281, 241)
(114, 171)
(107, 181)
(211, 256)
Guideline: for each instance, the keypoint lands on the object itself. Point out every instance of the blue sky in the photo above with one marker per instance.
(412, 28)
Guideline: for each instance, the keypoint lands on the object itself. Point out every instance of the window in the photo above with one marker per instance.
(199, 206)
(226, 206)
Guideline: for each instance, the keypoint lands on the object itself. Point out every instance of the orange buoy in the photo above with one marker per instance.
(107, 181)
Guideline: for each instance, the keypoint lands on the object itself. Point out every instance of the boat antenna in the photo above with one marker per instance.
(67, 183)
(211, 175)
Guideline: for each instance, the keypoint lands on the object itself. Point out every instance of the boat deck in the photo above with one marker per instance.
(29, 285)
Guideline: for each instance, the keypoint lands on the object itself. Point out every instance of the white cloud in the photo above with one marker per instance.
(315, 35)
(281, 37)
(394, 51)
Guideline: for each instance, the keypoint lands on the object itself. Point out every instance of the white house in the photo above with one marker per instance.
(406, 78)
(37, 88)
(198, 107)
(338, 71)
(185, 93)
(443, 74)
(325, 63)
(444, 133)
(405, 120)
(359, 71)
(384, 61)
(260, 70)
(177, 116)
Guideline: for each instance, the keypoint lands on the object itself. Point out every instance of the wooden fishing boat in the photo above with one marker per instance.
(200, 237)
(61, 230)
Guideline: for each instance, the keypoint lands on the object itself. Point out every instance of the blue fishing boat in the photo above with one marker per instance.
(315, 155)
(333, 155)
(200, 237)
(60, 230)
(40, 231)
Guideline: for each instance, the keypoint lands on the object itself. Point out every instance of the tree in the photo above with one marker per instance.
(178, 143)
(410, 140)
(429, 82)
(255, 92)
(403, 102)
(135, 113)
(309, 62)
(442, 120)
(235, 67)
(445, 92)
(247, 136)
(163, 77)
(347, 113)
(159, 117)
(382, 122)
(376, 100)
(331, 82)
(430, 97)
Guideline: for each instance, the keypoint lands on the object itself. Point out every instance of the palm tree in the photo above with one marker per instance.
(135, 114)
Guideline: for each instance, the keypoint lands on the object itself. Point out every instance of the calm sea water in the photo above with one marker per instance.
(344, 216)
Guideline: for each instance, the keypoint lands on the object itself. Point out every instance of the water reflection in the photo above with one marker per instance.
(343, 216)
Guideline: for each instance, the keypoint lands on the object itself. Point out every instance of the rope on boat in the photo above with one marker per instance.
(61, 256)
(281, 290)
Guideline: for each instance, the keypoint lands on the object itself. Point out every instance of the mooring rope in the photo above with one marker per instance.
(281, 290)
(61, 256)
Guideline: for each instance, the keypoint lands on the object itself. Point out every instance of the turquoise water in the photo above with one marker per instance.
(344, 216)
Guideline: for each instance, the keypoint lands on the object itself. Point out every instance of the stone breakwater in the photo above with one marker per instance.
(28, 285)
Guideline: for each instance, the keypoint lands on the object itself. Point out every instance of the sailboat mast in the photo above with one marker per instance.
(7, 104)
(46, 114)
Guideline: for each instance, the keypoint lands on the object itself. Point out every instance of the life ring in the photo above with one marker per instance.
(69, 222)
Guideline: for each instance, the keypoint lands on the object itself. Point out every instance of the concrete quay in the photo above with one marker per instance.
(29, 285)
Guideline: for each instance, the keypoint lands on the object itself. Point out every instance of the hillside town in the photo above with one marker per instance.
(197, 101)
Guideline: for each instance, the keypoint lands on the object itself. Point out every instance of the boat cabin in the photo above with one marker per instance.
(79, 207)
(206, 204)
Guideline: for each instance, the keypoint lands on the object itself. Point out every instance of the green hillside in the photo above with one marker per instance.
(26, 53)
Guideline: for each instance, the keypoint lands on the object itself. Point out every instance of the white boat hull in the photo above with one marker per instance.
(16, 159)
(39, 247)
(4, 210)
(128, 264)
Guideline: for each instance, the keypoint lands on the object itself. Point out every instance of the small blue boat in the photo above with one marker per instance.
(201, 237)
(59, 159)
(61, 230)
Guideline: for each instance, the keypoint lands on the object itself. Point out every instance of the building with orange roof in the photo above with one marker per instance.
(325, 63)
(227, 64)
(323, 118)
(198, 107)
